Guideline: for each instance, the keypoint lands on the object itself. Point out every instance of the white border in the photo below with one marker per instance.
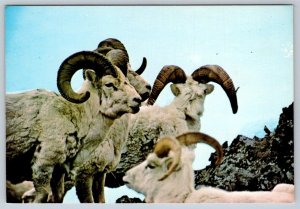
(3, 3)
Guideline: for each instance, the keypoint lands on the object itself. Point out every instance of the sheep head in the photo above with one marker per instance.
(104, 82)
(116, 52)
(170, 162)
(202, 75)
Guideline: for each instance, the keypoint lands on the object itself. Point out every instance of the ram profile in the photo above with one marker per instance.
(45, 131)
(81, 175)
(116, 52)
(181, 115)
(177, 184)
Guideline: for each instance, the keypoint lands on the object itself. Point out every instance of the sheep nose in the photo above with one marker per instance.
(137, 100)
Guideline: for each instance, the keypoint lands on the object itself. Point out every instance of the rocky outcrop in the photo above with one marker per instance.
(255, 164)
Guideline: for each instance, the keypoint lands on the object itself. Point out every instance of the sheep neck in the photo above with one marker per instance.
(97, 120)
(193, 121)
(170, 195)
(175, 193)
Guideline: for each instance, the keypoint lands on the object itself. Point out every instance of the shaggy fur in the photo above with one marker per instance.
(44, 132)
(153, 122)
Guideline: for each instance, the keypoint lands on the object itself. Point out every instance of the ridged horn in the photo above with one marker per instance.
(142, 67)
(190, 138)
(103, 50)
(217, 74)
(162, 149)
(169, 73)
(119, 58)
(75, 62)
(111, 43)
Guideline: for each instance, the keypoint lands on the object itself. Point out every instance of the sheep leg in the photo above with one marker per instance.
(98, 187)
(57, 185)
(46, 156)
(41, 179)
(83, 185)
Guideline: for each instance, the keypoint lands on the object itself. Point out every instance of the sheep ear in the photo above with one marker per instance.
(175, 90)
(90, 75)
(209, 89)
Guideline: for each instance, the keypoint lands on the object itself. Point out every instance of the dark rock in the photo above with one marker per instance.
(126, 199)
(255, 164)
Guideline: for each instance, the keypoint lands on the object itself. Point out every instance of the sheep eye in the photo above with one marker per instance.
(111, 85)
(150, 166)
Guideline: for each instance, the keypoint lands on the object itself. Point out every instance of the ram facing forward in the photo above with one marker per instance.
(182, 115)
(45, 131)
(167, 176)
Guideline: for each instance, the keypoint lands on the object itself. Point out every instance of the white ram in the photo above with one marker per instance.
(117, 54)
(177, 185)
(182, 115)
(82, 174)
(45, 132)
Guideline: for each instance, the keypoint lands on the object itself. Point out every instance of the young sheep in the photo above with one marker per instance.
(177, 185)
(45, 132)
(182, 115)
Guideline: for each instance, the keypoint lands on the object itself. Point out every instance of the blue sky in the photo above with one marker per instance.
(254, 44)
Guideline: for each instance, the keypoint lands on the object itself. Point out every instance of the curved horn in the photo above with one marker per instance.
(143, 66)
(75, 62)
(169, 73)
(119, 58)
(162, 149)
(103, 50)
(190, 138)
(109, 44)
(217, 74)
(113, 43)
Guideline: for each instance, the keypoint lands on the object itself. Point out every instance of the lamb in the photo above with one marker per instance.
(182, 115)
(177, 184)
(46, 131)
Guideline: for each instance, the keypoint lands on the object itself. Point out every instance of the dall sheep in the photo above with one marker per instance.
(46, 131)
(177, 185)
(117, 54)
(81, 173)
(182, 115)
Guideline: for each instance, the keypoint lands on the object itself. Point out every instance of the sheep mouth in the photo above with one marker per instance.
(145, 96)
(125, 182)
